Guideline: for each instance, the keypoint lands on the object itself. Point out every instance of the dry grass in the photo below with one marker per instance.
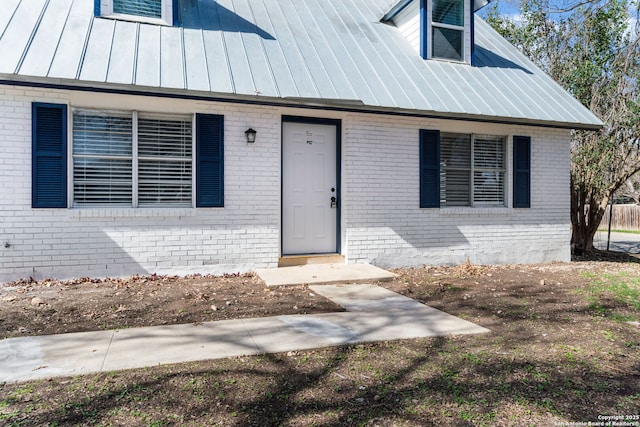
(552, 357)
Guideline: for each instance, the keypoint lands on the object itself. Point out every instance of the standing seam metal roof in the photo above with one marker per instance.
(328, 51)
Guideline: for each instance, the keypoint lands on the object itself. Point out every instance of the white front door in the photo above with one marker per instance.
(309, 182)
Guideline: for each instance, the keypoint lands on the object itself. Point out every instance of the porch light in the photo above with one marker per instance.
(251, 135)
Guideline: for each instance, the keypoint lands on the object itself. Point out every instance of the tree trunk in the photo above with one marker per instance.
(581, 241)
(586, 215)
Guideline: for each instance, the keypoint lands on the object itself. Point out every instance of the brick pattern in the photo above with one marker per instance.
(381, 219)
(387, 228)
(121, 241)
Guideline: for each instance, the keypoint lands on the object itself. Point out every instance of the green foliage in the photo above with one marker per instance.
(621, 288)
(593, 51)
(609, 292)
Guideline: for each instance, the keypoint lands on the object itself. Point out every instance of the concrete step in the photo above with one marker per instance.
(295, 260)
(323, 274)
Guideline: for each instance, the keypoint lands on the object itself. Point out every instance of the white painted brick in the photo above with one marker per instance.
(381, 220)
(385, 226)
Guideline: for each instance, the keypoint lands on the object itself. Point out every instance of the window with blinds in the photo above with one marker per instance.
(472, 170)
(455, 169)
(102, 159)
(148, 8)
(488, 171)
(131, 160)
(164, 161)
(447, 29)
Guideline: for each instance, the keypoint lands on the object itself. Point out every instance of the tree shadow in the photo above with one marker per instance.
(212, 16)
(454, 380)
(435, 382)
(606, 256)
(485, 58)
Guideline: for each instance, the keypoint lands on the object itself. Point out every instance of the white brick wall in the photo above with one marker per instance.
(385, 226)
(80, 242)
(381, 219)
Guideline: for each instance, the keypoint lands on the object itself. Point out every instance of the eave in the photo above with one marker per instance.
(336, 105)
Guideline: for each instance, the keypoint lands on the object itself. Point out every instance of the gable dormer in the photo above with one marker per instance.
(437, 29)
(162, 12)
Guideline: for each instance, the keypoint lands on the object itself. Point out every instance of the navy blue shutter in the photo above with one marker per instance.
(521, 171)
(429, 168)
(209, 160)
(424, 30)
(96, 7)
(473, 32)
(176, 14)
(49, 156)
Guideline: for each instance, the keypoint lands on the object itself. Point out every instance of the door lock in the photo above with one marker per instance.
(334, 202)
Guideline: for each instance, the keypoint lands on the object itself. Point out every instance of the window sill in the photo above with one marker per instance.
(134, 18)
(468, 211)
(449, 60)
(106, 212)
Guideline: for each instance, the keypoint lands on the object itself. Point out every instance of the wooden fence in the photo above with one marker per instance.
(625, 217)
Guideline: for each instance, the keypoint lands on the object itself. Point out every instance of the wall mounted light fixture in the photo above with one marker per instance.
(251, 135)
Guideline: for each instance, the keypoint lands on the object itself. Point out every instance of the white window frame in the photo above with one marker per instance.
(472, 169)
(465, 57)
(106, 11)
(134, 160)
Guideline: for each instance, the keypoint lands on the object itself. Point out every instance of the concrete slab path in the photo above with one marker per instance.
(323, 273)
(375, 314)
(621, 242)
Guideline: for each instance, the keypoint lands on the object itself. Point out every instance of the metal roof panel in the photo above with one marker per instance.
(252, 41)
(171, 58)
(9, 7)
(318, 51)
(95, 62)
(16, 39)
(195, 61)
(297, 66)
(217, 63)
(122, 61)
(40, 54)
(235, 48)
(70, 49)
(279, 68)
(147, 72)
(309, 50)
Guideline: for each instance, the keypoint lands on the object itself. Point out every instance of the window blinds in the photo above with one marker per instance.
(488, 170)
(115, 165)
(164, 161)
(455, 169)
(472, 170)
(450, 12)
(148, 8)
(102, 159)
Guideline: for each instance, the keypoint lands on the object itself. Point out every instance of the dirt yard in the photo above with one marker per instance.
(55, 307)
(564, 347)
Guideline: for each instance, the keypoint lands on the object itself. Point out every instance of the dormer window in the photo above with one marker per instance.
(437, 29)
(151, 11)
(446, 29)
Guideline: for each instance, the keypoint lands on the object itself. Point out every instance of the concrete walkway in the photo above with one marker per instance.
(374, 314)
(620, 242)
(323, 273)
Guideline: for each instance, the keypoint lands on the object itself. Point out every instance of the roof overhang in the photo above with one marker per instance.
(395, 10)
(402, 4)
(338, 105)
